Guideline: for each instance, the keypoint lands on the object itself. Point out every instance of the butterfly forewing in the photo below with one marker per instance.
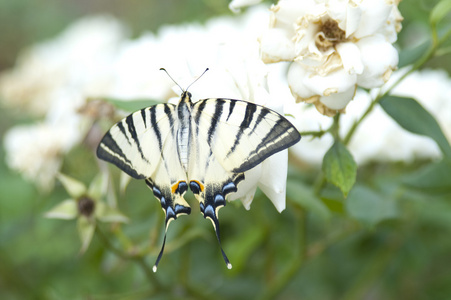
(241, 134)
(135, 143)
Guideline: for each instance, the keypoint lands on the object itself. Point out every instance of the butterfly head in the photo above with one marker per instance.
(186, 97)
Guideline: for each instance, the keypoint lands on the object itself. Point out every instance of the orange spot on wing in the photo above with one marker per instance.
(202, 188)
(175, 186)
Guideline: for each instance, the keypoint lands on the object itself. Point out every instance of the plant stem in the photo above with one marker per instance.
(295, 265)
(318, 133)
(307, 253)
(126, 256)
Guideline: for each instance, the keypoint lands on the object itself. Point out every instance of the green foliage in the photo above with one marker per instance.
(131, 105)
(410, 55)
(434, 178)
(440, 11)
(339, 167)
(408, 113)
(370, 207)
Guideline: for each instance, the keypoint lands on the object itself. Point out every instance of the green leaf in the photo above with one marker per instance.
(410, 115)
(411, 55)
(243, 245)
(131, 105)
(370, 207)
(339, 167)
(304, 196)
(440, 11)
(66, 210)
(435, 177)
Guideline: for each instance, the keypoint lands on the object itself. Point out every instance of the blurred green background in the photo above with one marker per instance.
(306, 252)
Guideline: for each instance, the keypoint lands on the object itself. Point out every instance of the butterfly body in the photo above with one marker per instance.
(184, 131)
(205, 146)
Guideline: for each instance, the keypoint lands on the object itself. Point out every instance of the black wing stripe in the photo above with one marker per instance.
(261, 116)
(143, 115)
(200, 109)
(215, 119)
(231, 108)
(283, 135)
(250, 110)
(248, 116)
(109, 151)
(123, 131)
(169, 113)
(132, 130)
(153, 122)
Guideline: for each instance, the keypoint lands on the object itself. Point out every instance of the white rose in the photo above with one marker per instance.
(334, 46)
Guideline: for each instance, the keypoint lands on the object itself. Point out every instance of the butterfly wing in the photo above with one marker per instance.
(135, 143)
(231, 137)
(143, 145)
(242, 134)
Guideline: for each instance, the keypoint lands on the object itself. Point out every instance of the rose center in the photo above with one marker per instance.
(329, 35)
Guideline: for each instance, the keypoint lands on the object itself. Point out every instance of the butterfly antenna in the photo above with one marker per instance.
(197, 78)
(163, 69)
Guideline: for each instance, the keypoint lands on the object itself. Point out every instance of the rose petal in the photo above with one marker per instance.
(246, 188)
(374, 17)
(379, 58)
(337, 101)
(296, 80)
(288, 11)
(350, 56)
(273, 181)
(335, 82)
(346, 16)
(276, 46)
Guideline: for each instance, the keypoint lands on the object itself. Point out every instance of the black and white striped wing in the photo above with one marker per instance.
(231, 137)
(135, 144)
(241, 134)
(144, 146)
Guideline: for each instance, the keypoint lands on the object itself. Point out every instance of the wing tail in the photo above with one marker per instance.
(173, 205)
(212, 197)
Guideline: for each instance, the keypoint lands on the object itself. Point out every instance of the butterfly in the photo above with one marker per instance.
(205, 146)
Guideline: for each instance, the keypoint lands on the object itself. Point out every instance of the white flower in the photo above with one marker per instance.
(36, 151)
(77, 61)
(334, 46)
(380, 138)
(52, 80)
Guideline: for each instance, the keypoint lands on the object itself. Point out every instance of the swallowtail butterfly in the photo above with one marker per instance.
(205, 146)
